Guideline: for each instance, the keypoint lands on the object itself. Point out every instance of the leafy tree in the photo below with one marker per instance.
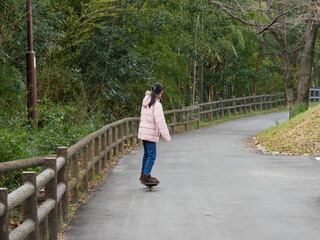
(96, 59)
(294, 26)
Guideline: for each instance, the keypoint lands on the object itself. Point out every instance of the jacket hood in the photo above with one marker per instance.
(146, 99)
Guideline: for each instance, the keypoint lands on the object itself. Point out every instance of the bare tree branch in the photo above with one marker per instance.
(240, 7)
(269, 4)
(280, 15)
(254, 24)
(225, 9)
(261, 12)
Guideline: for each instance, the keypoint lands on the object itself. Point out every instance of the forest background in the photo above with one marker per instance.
(96, 59)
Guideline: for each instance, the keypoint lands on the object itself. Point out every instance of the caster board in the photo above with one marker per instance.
(151, 185)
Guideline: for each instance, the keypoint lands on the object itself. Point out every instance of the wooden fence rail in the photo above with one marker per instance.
(46, 218)
(219, 109)
(314, 95)
(84, 160)
(71, 169)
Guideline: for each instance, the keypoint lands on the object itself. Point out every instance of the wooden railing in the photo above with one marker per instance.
(84, 160)
(183, 117)
(71, 169)
(314, 95)
(44, 221)
(95, 150)
(237, 106)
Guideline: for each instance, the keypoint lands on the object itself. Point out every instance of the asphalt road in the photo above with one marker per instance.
(213, 185)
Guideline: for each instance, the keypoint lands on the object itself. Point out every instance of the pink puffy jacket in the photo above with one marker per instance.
(152, 121)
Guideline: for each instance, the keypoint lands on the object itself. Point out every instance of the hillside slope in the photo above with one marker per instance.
(300, 135)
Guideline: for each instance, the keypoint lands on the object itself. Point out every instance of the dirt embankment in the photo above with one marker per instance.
(300, 135)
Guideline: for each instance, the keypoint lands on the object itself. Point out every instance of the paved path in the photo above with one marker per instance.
(213, 186)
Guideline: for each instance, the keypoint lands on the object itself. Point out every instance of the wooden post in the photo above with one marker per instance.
(211, 112)
(59, 206)
(126, 133)
(75, 175)
(131, 132)
(4, 221)
(222, 107)
(245, 105)
(279, 102)
(216, 112)
(43, 229)
(109, 144)
(198, 115)
(97, 150)
(173, 120)
(63, 177)
(138, 140)
(114, 140)
(187, 121)
(234, 105)
(204, 116)
(90, 160)
(254, 102)
(269, 102)
(120, 135)
(51, 192)
(103, 149)
(84, 166)
(30, 207)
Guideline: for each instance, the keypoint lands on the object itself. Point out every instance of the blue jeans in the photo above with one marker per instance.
(149, 157)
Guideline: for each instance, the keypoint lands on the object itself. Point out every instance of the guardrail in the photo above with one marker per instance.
(71, 169)
(95, 150)
(83, 159)
(314, 95)
(45, 220)
(237, 106)
(183, 117)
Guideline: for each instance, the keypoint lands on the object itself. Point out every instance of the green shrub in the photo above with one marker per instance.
(59, 125)
(298, 109)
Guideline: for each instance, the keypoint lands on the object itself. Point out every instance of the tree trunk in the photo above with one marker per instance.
(289, 54)
(288, 63)
(291, 92)
(306, 65)
(260, 55)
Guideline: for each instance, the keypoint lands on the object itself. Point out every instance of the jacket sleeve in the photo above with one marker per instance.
(161, 122)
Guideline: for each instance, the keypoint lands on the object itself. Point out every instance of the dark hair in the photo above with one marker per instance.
(156, 89)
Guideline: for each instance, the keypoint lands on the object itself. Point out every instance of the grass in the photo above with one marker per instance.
(299, 135)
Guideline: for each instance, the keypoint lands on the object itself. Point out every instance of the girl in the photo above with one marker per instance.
(152, 123)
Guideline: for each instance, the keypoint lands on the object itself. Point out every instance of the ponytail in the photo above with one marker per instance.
(156, 89)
